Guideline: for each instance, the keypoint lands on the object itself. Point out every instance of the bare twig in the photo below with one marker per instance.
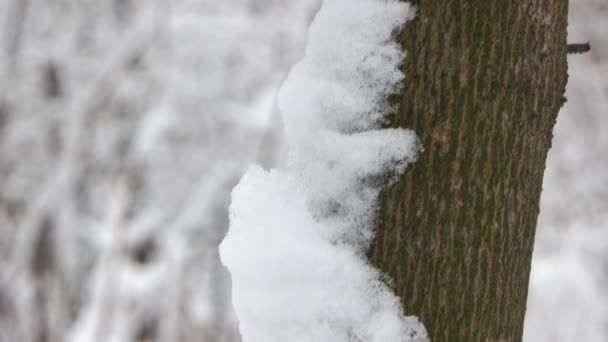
(578, 48)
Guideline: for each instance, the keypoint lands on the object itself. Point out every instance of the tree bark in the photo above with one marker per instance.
(484, 82)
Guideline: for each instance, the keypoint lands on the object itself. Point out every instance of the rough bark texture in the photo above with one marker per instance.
(484, 82)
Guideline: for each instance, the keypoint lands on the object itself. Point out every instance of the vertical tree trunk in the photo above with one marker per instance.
(484, 82)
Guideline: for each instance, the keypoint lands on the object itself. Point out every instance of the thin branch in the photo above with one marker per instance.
(578, 48)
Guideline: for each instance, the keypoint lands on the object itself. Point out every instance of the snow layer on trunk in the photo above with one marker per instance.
(298, 236)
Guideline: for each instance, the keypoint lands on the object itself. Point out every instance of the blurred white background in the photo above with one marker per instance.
(124, 125)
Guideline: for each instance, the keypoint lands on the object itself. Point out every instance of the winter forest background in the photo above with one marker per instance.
(125, 124)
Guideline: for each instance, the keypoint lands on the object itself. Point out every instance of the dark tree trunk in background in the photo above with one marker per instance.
(484, 82)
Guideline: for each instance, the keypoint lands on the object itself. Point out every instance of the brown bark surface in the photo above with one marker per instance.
(484, 82)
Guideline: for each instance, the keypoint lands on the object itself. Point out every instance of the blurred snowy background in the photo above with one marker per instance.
(124, 125)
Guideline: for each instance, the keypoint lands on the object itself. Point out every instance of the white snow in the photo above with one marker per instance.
(297, 235)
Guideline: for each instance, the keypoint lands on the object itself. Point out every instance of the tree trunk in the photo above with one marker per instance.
(484, 82)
